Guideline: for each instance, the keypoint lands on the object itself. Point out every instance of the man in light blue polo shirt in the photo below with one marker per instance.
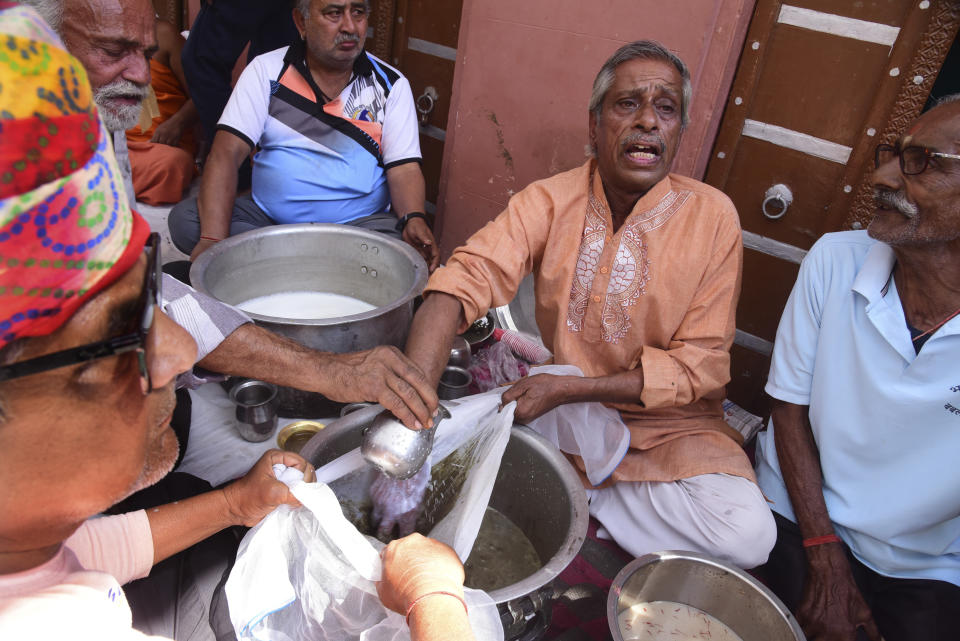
(862, 459)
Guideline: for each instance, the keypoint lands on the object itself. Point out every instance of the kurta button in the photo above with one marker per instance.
(596, 299)
(603, 270)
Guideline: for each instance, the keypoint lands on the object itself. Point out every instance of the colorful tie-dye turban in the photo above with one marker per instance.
(66, 230)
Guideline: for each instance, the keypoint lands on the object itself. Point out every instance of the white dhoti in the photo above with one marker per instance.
(721, 515)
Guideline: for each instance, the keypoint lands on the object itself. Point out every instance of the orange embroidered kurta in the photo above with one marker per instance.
(659, 294)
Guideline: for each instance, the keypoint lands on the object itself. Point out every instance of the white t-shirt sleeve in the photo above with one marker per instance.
(121, 545)
(247, 110)
(795, 349)
(401, 135)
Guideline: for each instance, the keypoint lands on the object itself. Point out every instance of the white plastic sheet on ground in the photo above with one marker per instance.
(308, 573)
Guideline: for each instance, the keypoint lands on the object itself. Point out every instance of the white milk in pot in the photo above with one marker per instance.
(305, 305)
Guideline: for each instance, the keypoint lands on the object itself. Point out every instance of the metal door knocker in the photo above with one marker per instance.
(776, 201)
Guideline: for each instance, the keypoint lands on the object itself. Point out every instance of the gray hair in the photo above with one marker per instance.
(645, 50)
(303, 6)
(50, 10)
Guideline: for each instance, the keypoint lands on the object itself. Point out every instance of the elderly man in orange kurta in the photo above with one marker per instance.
(637, 273)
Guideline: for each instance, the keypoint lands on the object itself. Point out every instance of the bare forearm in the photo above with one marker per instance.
(254, 352)
(440, 618)
(623, 387)
(219, 185)
(177, 526)
(800, 464)
(407, 188)
(432, 332)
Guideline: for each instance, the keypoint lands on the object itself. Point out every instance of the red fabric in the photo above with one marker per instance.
(40, 150)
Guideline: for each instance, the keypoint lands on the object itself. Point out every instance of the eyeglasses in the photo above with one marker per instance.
(913, 160)
(135, 340)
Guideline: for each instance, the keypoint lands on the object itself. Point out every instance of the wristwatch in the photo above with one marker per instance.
(402, 222)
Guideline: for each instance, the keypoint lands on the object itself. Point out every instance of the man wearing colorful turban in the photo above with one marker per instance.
(87, 368)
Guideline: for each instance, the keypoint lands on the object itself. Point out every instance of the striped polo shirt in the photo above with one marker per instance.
(322, 160)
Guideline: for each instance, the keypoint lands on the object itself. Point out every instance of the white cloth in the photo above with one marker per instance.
(885, 419)
(591, 431)
(721, 515)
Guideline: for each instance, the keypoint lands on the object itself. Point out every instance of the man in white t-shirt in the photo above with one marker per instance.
(337, 134)
(860, 462)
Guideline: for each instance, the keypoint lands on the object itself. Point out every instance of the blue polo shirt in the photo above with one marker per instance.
(886, 419)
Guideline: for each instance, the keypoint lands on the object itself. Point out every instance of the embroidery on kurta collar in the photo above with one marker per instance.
(630, 270)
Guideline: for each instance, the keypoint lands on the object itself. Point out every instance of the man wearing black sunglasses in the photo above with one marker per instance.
(860, 459)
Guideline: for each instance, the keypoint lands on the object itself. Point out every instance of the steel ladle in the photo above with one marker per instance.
(396, 449)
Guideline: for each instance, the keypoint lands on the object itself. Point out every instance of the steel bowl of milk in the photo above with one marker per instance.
(334, 288)
(684, 596)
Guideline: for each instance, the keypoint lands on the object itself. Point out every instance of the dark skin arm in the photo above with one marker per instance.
(177, 526)
(832, 607)
(407, 194)
(382, 374)
(218, 188)
(428, 346)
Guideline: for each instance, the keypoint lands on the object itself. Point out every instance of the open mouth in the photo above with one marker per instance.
(642, 152)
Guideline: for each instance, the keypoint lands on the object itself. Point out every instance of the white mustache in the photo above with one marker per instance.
(346, 37)
(122, 88)
(895, 200)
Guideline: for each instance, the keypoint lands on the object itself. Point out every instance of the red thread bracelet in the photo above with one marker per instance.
(424, 596)
(216, 240)
(820, 540)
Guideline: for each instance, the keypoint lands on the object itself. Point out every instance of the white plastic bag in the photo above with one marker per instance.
(592, 431)
(308, 573)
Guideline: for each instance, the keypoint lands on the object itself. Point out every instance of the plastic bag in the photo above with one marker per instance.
(308, 573)
(592, 431)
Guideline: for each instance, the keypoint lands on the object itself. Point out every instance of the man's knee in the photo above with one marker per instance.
(751, 537)
(184, 225)
(736, 521)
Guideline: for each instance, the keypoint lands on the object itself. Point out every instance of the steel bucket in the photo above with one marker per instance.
(338, 259)
(536, 488)
(725, 592)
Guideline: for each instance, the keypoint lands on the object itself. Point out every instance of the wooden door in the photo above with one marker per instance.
(419, 37)
(819, 84)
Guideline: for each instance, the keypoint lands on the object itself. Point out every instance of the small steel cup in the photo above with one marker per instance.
(256, 409)
(454, 383)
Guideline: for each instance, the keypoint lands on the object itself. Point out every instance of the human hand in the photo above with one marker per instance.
(257, 493)
(383, 375)
(201, 246)
(414, 566)
(398, 503)
(168, 132)
(535, 395)
(417, 234)
(832, 608)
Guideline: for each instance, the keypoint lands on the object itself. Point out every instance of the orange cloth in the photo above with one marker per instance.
(661, 293)
(161, 173)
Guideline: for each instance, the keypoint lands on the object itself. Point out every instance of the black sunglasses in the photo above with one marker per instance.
(135, 340)
(913, 160)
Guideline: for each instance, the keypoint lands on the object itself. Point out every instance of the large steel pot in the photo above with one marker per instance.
(536, 488)
(727, 593)
(338, 259)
